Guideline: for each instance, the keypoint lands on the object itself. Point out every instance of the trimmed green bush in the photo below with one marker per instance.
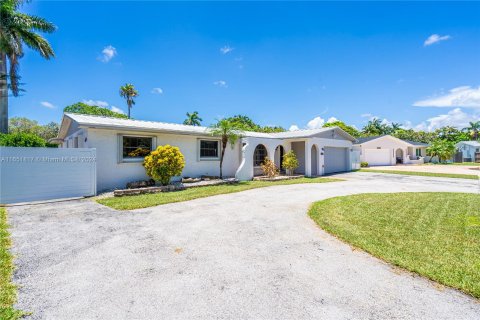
(364, 164)
(21, 140)
(164, 163)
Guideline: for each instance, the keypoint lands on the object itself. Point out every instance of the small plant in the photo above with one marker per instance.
(269, 168)
(164, 163)
(21, 140)
(290, 162)
(363, 164)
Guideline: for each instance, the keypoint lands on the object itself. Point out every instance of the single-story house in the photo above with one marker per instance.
(121, 145)
(467, 151)
(387, 150)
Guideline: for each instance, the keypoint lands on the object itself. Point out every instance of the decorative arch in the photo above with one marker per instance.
(259, 155)
(278, 157)
(399, 155)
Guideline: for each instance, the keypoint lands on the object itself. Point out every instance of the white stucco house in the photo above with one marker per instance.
(387, 150)
(121, 144)
(467, 150)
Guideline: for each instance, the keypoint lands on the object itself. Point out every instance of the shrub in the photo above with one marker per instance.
(290, 161)
(21, 140)
(269, 168)
(363, 164)
(164, 163)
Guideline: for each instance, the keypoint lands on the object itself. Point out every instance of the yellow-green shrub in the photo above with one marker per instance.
(164, 163)
(290, 162)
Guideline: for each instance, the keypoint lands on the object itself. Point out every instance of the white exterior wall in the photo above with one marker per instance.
(112, 173)
(385, 143)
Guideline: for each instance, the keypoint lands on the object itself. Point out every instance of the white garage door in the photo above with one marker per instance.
(378, 157)
(335, 160)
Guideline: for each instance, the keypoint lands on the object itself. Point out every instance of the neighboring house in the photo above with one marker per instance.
(387, 150)
(121, 145)
(467, 150)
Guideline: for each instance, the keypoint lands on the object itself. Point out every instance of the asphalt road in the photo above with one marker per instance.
(249, 255)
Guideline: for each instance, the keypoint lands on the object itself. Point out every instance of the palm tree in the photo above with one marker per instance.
(128, 92)
(193, 119)
(229, 133)
(17, 29)
(373, 127)
(474, 129)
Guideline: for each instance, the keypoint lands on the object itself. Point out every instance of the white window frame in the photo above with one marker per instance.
(121, 159)
(217, 158)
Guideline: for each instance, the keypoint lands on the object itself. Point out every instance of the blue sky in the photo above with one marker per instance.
(281, 63)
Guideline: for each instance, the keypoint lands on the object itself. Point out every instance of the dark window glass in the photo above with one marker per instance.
(208, 149)
(259, 155)
(136, 147)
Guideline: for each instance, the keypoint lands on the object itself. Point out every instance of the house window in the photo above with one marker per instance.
(136, 147)
(209, 149)
(418, 152)
(259, 155)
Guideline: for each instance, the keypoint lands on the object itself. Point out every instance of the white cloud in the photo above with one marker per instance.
(118, 110)
(97, 103)
(293, 127)
(108, 53)
(434, 38)
(221, 83)
(455, 118)
(464, 96)
(226, 49)
(331, 119)
(47, 104)
(157, 90)
(316, 123)
(366, 115)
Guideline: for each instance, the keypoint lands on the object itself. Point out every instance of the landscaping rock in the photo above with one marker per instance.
(140, 184)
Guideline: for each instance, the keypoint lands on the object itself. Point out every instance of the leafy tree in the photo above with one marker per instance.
(83, 108)
(412, 135)
(349, 129)
(25, 125)
(374, 127)
(443, 149)
(193, 119)
(474, 129)
(17, 29)
(164, 163)
(452, 134)
(229, 132)
(21, 139)
(247, 124)
(128, 92)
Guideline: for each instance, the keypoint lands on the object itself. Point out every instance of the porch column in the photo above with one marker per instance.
(308, 158)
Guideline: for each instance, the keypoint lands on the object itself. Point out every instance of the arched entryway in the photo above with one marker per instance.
(399, 156)
(259, 156)
(278, 158)
(314, 162)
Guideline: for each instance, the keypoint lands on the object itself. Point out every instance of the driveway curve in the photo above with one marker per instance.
(249, 255)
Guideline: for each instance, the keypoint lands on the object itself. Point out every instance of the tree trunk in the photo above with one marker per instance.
(224, 146)
(3, 94)
(129, 106)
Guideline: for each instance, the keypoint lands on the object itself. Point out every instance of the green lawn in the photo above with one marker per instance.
(155, 199)
(436, 235)
(8, 291)
(424, 174)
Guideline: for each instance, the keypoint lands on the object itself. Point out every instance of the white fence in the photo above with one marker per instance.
(33, 174)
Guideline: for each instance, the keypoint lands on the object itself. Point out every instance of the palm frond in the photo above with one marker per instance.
(33, 23)
(36, 42)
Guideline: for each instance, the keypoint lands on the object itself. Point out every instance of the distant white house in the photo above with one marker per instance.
(466, 151)
(121, 144)
(387, 150)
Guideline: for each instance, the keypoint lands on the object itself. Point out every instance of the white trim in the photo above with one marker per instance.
(120, 158)
(217, 158)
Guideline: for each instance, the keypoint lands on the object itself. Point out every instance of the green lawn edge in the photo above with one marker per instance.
(8, 290)
(155, 199)
(424, 174)
(460, 267)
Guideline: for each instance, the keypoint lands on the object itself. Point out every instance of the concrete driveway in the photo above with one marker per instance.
(249, 255)
(437, 168)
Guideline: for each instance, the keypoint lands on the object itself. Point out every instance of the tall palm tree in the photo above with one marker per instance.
(128, 92)
(474, 129)
(193, 119)
(229, 132)
(17, 29)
